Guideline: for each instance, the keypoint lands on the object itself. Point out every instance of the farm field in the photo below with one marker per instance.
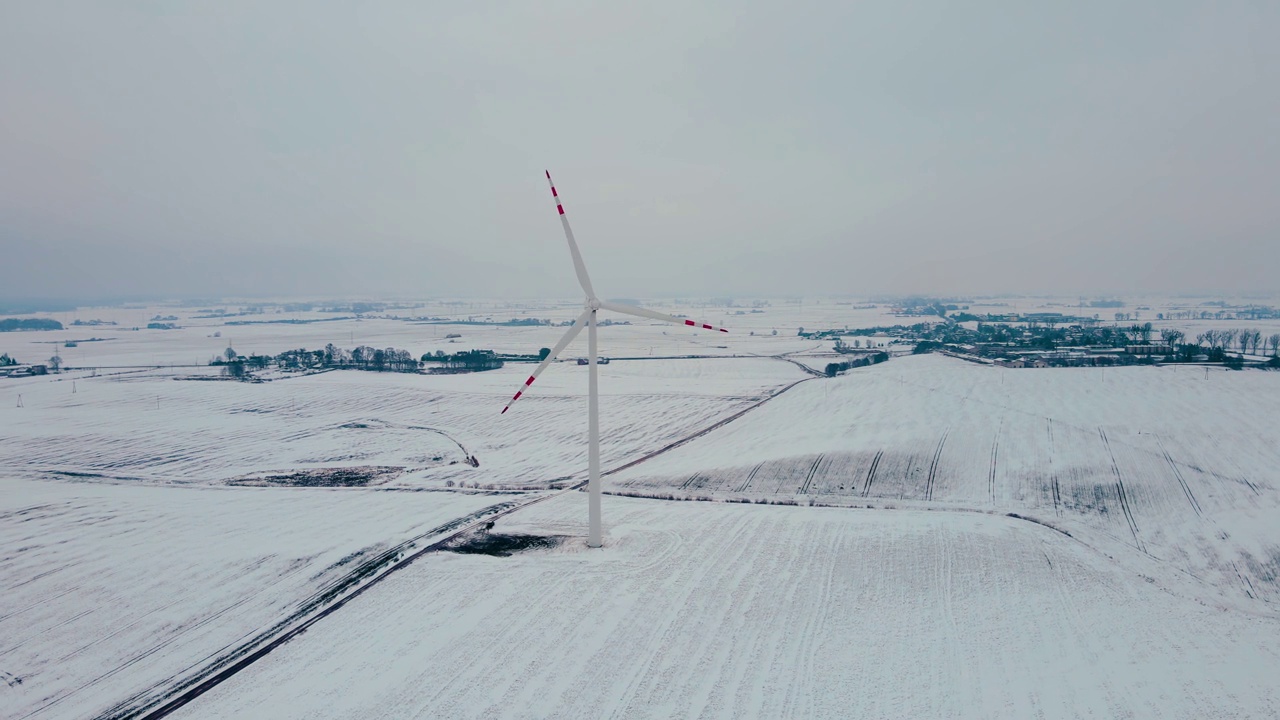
(1176, 464)
(422, 427)
(923, 537)
(137, 550)
(114, 592)
(620, 361)
(726, 610)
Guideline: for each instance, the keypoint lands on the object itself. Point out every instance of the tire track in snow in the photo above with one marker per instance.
(710, 428)
(1124, 498)
(751, 476)
(995, 455)
(1181, 480)
(800, 689)
(1053, 475)
(933, 466)
(813, 469)
(221, 668)
(687, 585)
(871, 474)
(37, 635)
(1244, 580)
(1069, 610)
(945, 588)
(139, 657)
(41, 601)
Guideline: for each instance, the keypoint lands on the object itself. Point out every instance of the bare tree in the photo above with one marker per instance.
(1274, 342)
(1255, 339)
(1242, 339)
(1171, 337)
(1225, 337)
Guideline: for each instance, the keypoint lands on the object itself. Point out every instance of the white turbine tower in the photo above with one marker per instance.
(588, 319)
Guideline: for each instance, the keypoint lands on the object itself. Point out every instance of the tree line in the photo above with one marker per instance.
(363, 357)
(13, 324)
(1248, 341)
(331, 357)
(836, 368)
(462, 362)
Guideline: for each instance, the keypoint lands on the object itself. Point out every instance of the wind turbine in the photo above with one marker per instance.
(588, 319)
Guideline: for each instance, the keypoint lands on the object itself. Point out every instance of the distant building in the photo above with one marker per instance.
(27, 371)
(1148, 349)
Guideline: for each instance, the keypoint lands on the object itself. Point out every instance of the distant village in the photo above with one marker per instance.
(1054, 339)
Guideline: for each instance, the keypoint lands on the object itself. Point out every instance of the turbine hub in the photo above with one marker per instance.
(593, 303)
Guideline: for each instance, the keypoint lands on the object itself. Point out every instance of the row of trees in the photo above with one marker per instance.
(834, 369)
(13, 324)
(6, 361)
(363, 357)
(1248, 341)
(468, 361)
(333, 357)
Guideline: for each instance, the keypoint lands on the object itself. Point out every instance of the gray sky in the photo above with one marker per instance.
(183, 148)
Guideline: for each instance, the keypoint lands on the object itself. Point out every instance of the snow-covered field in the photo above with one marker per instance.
(1175, 463)
(718, 610)
(113, 591)
(129, 563)
(999, 543)
(150, 426)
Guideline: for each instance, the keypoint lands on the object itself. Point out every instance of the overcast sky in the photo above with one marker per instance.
(303, 148)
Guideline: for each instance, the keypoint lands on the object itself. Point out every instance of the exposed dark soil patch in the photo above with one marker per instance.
(483, 542)
(360, 476)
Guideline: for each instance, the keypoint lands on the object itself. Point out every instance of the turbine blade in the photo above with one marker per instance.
(647, 313)
(578, 266)
(572, 333)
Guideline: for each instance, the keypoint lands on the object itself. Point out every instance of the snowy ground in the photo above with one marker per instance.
(718, 610)
(1178, 464)
(129, 563)
(1139, 576)
(185, 431)
(109, 591)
